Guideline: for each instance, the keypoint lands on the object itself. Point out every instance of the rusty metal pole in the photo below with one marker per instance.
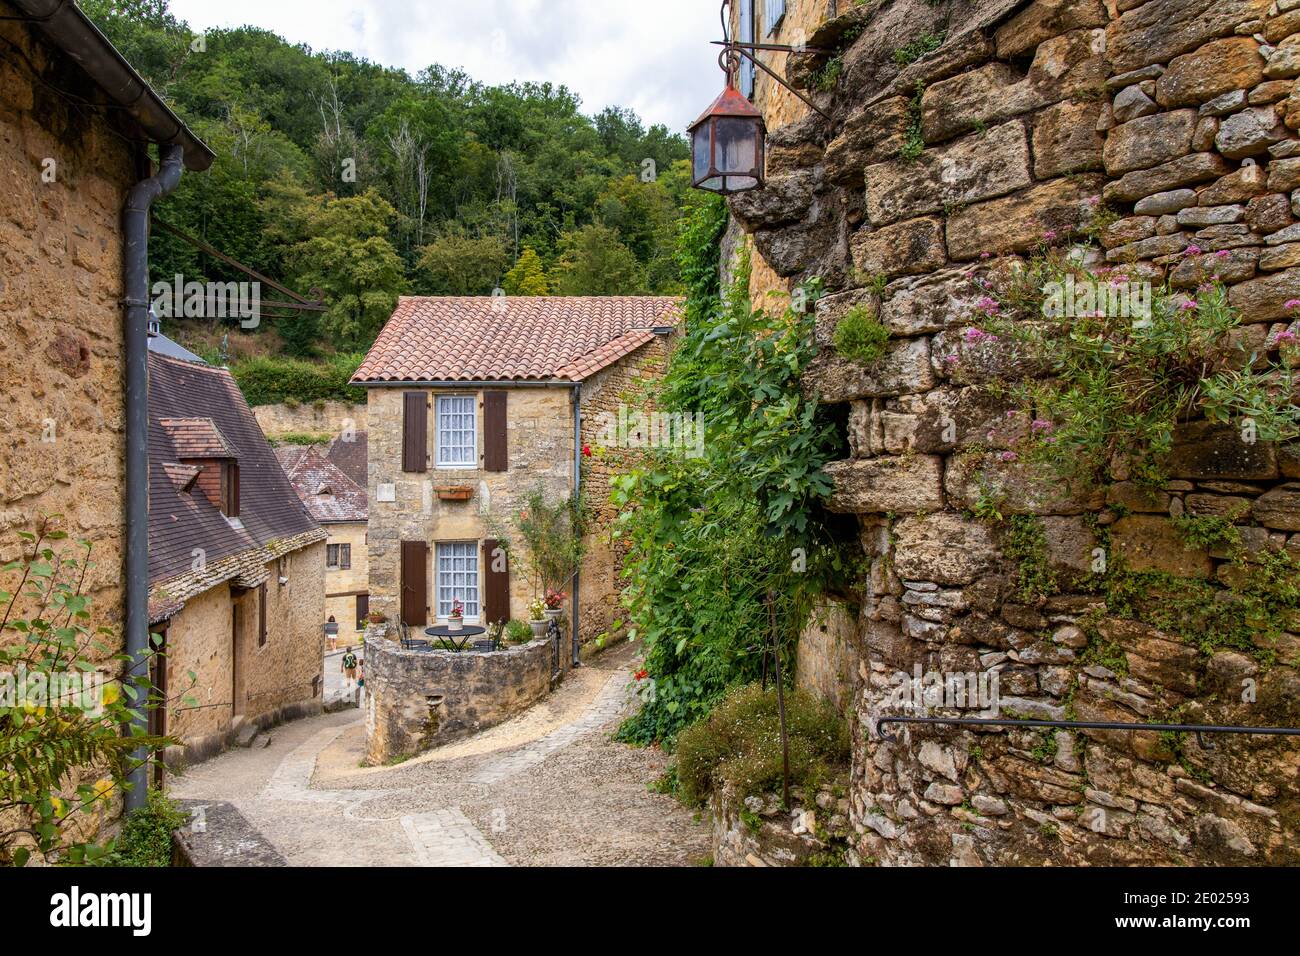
(780, 700)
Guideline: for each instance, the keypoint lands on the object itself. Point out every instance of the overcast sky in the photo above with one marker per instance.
(651, 55)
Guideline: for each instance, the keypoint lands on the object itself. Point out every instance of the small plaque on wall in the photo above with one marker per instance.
(386, 492)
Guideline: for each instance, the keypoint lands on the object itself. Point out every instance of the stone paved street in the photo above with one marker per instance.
(547, 788)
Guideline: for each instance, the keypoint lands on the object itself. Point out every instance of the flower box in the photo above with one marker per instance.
(456, 493)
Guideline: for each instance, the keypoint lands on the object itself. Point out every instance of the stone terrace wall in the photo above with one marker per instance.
(1179, 116)
(479, 690)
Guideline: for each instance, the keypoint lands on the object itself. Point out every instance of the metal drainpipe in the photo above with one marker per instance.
(577, 494)
(135, 276)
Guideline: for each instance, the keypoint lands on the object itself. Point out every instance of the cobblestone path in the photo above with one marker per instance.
(547, 788)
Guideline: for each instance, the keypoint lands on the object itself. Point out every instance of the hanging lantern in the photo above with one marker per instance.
(728, 144)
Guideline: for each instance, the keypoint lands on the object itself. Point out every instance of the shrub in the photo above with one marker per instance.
(518, 632)
(146, 838)
(268, 381)
(861, 336)
(300, 438)
(739, 743)
(1126, 364)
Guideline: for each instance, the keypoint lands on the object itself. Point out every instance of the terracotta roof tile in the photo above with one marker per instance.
(197, 438)
(329, 494)
(524, 338)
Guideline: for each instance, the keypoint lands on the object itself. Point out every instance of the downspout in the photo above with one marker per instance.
(577, 496)
(135, 281)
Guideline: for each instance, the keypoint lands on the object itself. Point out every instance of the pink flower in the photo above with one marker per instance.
(1192, 250)
(950, 358)
(1222, 254)
(1049, 235)
(985, 304)
(1041, 425)
(1189, 306)
(1291, 304)
(1093, 200)
(975, 336)
(986, 255)
(1285, 337)
(1011, 413)
(1009, 456)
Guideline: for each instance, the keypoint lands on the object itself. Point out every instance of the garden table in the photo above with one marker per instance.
(457, 639)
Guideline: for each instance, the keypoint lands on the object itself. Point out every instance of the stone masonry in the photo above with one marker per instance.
(963, 129)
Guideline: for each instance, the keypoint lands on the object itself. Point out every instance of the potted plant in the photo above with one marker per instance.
(537, 621)
(456, 619)
(555, 603)
(377, 617)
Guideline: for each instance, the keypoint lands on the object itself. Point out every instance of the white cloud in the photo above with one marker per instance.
(650, 55)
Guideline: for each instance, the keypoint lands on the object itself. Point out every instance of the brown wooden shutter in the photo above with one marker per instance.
(363, 609)
(232, 489)
(495, 456)
(415, 431)
(496, 584)
(415, 583)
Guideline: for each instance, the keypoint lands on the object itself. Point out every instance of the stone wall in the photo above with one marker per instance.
(342, 585)
(311, 418)
(64, 175)
(1168, 127)
(621, 387)
(478, 690)
(273, 682)
(758, 832)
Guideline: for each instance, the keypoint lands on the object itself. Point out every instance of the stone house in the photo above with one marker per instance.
(236, 566)
(339, 504)
(76, 122)
(472, 403)
(962, 129)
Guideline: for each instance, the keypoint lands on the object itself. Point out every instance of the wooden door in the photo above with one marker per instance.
(415, 583)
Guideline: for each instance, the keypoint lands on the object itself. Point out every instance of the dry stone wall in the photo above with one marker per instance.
(1167, 130)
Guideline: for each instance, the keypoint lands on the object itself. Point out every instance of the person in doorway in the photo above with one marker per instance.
(332, 632)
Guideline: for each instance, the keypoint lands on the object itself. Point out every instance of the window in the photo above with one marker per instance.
(261, 616)
(748, 34)
(458, 578)
(773, 13)
(338, 557)
(457, 443)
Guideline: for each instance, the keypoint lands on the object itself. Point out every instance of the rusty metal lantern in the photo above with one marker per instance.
(728, 142)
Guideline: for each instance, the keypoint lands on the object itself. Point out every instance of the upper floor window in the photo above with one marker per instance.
(773, 14)
(457, 441)
(338, 556)
(748, 34)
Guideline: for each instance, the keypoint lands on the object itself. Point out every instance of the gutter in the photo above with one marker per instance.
(77, 36)
(135, 283)
(577, 495)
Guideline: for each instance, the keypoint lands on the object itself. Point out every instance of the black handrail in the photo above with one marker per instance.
(1197, 729)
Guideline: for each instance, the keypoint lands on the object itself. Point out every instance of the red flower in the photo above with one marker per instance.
(586, 451)
(641, 674)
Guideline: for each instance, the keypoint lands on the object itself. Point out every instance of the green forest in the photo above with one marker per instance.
(362, 181)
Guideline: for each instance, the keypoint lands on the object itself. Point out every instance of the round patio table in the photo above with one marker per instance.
(457, 639)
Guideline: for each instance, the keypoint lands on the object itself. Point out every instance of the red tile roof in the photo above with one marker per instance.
(524, 338)
(329, 494)
(197, 438)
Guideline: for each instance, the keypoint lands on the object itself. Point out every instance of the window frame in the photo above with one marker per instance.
(471, 554)
(438, 444)
(343, 561)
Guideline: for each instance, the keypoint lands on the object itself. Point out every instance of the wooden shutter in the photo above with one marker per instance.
(232, 490)
(415, 583)
(496, 584)
(345, 557)
(415, 431)
(773, 11)
(495, 456)
(363, 609)
(261, 616)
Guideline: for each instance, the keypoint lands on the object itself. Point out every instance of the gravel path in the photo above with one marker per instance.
(549, 788)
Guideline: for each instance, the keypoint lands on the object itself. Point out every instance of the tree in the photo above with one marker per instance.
(348, 257)
(594, 262)
(527, 277)
(457, 264)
